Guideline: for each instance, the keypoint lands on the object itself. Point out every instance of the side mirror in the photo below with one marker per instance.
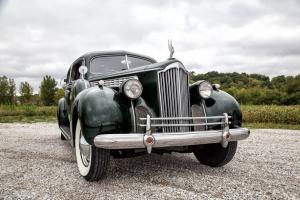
(82, 70)
(65, 80)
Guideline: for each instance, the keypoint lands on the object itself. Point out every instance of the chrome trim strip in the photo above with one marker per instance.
(185, 118)
(225, 131)
(148, 134)
(176, 65)
(133, 116)
(175, 123)
(186, 125)
(136, 140)
(203, 107)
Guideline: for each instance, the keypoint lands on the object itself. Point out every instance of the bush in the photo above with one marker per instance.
(271, 114)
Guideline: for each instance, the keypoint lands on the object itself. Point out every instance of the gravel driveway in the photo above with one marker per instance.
(36, 164)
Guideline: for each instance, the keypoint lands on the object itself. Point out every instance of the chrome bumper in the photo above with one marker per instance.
(150, 140)
(136, 140)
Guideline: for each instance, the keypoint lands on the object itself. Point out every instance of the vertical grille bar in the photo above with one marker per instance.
(174, 95)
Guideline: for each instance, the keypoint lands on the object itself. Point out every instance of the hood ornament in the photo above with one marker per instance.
(171, 48)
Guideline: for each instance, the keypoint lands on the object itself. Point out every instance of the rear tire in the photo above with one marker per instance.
(92, 162)
(215, 155)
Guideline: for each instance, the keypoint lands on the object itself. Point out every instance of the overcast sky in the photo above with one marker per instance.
(44, 37)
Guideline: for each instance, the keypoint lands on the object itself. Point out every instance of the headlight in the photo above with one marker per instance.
(205, 89)
(133, 88)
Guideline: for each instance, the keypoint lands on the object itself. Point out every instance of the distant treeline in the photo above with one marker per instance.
(255, 89)
(48, 93)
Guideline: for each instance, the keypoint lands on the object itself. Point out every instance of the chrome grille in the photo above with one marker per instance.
(174, 95)
(116, 82)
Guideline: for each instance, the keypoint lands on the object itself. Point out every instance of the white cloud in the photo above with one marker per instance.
(45, 37)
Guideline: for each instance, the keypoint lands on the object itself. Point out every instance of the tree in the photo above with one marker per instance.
(12, 91)
(47, 90)
(279, 82)
(26, 92)
(7, 90)
(293, 86)
(4, 87)
(59, 94)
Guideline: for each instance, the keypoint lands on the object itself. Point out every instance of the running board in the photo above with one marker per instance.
(65, 130)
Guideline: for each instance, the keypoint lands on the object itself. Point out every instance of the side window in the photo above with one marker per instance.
(75, 73)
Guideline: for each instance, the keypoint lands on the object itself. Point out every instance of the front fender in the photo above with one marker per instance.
(101, 110)
(221, 102)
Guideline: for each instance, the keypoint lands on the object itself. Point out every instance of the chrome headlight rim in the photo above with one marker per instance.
(205, 89)
(132, 88)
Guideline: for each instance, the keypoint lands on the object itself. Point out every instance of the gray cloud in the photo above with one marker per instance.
(45, 37)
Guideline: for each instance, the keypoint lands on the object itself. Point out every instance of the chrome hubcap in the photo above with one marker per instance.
(85, 150)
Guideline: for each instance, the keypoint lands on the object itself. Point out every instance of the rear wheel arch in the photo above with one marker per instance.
(62, 117)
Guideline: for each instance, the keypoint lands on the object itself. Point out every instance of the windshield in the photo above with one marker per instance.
(109, 64)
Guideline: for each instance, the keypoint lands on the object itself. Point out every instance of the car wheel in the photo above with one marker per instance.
(215, 155)
(92, 162)
(62, 137)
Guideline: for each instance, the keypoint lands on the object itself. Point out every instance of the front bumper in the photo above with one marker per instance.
(150, 140)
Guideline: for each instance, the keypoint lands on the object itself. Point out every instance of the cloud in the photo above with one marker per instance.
(45, 37)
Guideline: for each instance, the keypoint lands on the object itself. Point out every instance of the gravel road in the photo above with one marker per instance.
(36, 164)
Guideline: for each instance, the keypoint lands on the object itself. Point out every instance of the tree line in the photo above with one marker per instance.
(252, 89)
(255, 89)
(48, 94)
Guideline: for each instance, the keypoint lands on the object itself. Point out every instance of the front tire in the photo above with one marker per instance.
(92, 162)
(215, 155)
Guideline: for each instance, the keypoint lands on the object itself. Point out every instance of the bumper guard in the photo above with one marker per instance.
(150, 140)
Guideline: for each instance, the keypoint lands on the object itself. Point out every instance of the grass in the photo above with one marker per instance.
(272, 126)
(271, 114)
(27, 113)
(254, 116)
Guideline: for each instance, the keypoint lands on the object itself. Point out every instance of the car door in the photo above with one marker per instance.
(73, 75)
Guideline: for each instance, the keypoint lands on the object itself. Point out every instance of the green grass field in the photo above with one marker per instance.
(27, 113)
(255, 116)
(271, 116)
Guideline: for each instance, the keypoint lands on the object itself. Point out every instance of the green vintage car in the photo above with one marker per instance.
(120, 104)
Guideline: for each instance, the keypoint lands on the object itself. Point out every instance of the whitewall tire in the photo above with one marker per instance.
(92, 162)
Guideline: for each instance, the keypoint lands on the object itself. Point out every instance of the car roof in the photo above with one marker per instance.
(117, 52)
